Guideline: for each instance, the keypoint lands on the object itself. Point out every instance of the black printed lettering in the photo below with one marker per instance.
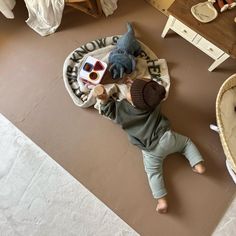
(75, 57)
(101, 42)
(90, 46)
(154, 69)
(69, 69)
(144, 55)
(72, 73)
(114, 40)
(78, 54)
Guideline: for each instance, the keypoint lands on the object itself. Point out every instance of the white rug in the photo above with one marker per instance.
(227, 225)
(38, 197)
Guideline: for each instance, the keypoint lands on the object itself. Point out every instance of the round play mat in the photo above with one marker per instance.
(147, 66)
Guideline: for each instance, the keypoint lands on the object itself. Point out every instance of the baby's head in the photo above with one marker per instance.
(146, 95)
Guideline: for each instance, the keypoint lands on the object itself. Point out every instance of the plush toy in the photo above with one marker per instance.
(226, 4)
(222, 4)
(231, 3)
(122, 58)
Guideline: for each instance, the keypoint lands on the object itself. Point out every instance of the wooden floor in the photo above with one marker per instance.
(96, 151)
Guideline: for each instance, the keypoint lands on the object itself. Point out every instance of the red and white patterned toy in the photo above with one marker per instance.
(92, 70)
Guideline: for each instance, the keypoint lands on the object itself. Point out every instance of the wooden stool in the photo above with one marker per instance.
(90, 7)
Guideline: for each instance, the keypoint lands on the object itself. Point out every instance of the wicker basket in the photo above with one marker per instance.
(221, 123)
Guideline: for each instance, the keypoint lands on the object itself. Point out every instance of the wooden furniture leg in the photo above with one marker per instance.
(218, 62)
(167, 26)
(90, 7)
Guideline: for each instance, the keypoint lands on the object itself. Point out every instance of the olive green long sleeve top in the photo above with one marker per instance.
(144, 128)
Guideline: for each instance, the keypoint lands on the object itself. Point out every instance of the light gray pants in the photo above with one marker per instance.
(169, 143)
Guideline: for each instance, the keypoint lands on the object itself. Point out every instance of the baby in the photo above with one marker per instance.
(140, 116)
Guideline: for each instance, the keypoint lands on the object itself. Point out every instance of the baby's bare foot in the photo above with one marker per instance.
(162, 205)
(199, 168)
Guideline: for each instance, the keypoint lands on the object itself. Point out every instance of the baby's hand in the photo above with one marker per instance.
(128, 81)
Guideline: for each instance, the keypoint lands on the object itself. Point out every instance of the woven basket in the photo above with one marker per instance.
(228, 84)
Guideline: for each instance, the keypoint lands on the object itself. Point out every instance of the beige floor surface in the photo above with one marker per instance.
(96, 151)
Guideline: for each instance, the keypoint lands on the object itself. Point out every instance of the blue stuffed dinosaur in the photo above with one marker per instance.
(122, 58)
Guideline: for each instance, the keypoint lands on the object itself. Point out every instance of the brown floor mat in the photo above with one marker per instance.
(96, 151)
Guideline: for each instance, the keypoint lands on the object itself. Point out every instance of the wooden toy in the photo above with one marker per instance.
(92, 70)
(98, 90)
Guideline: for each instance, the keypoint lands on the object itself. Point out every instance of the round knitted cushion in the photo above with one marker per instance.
(148, 66)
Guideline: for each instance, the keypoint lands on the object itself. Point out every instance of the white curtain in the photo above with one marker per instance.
(108, 6)
(44, 15)
(6, 7)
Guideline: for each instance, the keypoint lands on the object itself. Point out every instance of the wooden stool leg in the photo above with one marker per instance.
(90, 7)
(218, 62)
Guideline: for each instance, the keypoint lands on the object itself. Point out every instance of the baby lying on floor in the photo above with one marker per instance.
(140, 116)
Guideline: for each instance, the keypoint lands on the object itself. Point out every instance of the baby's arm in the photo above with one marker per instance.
(108, 105)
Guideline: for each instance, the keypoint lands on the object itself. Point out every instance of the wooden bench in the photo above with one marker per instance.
(90, 7)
